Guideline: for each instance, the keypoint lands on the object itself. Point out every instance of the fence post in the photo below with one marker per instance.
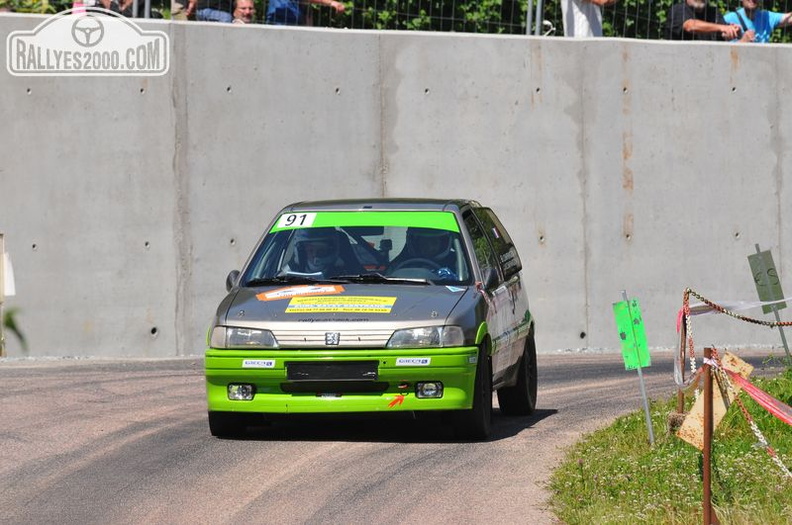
(529, 18)
(709, 516)
(682, 364)
(539, 18)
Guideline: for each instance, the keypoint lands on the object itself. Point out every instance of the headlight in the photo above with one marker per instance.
(233, 337)
(428, 336)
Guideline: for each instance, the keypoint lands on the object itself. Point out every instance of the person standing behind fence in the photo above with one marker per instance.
(696, 20)
(123, 7)
(292, 12)
(211, 10)
(583, 18)
(244, 12)
(760, 21)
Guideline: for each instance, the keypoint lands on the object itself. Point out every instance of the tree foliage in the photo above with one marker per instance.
(29, 6)
(474, 16)
(10, 323)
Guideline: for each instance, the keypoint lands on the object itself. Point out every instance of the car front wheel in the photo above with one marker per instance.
(520, 399)
(476, 424)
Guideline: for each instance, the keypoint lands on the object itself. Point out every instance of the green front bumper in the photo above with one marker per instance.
(455, 367)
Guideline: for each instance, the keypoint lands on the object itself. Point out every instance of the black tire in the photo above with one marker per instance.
(227, 424)
(476, 424)
(520, 399)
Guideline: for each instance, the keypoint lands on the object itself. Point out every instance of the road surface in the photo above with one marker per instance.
(126, 441)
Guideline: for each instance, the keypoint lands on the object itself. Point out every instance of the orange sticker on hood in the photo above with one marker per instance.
(300, 291)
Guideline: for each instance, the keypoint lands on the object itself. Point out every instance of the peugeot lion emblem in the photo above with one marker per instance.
(332, 338)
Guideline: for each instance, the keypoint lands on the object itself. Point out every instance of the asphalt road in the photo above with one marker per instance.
(116, 442)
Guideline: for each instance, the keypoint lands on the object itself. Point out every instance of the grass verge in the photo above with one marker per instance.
(614, 476)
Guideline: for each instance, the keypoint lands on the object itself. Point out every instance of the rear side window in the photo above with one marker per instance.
(501, 242)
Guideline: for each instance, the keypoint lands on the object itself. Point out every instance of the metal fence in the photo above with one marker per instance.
(643, 19)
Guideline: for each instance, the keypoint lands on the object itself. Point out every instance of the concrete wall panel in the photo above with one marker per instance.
(86, 192)
(496, 119)
(674, 198)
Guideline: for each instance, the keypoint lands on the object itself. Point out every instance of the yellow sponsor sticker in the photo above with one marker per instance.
(341, 303)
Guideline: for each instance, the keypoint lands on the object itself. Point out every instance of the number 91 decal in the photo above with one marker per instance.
(296, 220)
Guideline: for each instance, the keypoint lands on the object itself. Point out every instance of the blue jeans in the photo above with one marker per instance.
(213, 15)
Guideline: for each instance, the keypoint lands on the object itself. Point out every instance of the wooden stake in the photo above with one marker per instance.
(709, 516)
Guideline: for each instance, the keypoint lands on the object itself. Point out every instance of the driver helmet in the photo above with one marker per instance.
(317, 248)
(428, 243)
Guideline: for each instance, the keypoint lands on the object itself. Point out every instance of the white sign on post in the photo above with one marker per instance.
(8, 276)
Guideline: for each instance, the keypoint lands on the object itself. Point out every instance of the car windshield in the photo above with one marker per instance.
(361, 246)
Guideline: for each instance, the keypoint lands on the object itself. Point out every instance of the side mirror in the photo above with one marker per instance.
(490, 278)
(232, 279)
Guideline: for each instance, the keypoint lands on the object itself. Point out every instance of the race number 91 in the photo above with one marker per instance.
(296, 220)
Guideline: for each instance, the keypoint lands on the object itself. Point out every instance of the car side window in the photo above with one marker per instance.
(483, 250)
(501, 241)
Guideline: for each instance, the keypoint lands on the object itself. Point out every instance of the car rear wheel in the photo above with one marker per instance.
(520, 399)
(476, 424)
(227, 424)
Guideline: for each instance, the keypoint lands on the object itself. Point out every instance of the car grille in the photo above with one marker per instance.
(332, 371)
(319, 338)
(334, 387)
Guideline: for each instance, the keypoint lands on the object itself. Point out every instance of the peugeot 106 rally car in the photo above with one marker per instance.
(375, 306)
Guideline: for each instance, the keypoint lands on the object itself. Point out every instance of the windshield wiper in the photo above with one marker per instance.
(291, 279)
(379, 278)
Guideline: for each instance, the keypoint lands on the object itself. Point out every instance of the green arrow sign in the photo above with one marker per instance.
(631, 332)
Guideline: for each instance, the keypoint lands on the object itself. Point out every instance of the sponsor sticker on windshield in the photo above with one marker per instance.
(439, 220)
(303, 290)
(342, 303)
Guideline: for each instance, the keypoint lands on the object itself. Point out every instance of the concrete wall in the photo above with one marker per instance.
(615, 164)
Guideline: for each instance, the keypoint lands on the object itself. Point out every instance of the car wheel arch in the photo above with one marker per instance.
(482, 334)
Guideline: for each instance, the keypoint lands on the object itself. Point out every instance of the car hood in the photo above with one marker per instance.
(332, 304)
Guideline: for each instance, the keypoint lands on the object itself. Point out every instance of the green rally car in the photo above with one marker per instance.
(374, 306)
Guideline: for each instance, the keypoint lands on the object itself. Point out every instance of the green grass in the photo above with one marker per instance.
(615, 476)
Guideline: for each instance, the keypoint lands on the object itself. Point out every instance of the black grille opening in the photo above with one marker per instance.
(334, 387)
(332, 371)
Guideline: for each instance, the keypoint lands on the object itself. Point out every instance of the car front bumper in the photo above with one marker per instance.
(393, 389)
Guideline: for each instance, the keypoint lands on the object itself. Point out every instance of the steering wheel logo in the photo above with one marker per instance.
(87, 31)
